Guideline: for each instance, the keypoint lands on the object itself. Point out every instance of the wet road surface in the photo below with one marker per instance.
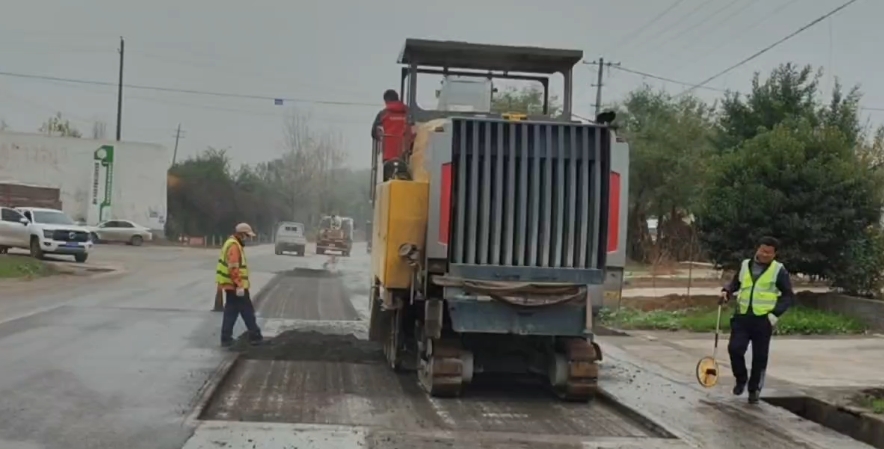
(111, 363)
(124, 363)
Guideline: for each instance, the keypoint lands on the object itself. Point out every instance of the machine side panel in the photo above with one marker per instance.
(436, 160)
(405, 221)
(620, 168)
(380, 229)
(619, 197)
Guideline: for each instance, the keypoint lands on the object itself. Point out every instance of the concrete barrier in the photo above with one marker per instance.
(868, 311)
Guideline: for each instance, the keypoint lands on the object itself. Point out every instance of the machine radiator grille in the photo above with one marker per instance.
(529, 194)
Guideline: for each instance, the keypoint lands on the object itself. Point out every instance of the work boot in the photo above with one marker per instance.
(739, 388)
(754, 397)
(226, 343)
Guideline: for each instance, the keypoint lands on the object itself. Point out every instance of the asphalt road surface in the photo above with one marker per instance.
(115, 362)
(132, 361)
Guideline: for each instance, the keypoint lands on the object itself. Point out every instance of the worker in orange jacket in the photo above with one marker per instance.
(232, 275)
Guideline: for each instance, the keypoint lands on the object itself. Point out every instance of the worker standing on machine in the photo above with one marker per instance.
(232, 274)
(391, 128)
(764, 293)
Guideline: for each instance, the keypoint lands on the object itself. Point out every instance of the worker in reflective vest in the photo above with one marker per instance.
(764, 293)
(232, 275)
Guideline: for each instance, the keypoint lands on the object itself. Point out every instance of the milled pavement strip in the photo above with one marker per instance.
(698, 417)
(219, 376)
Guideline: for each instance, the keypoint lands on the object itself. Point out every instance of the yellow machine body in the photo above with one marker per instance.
(400, 217)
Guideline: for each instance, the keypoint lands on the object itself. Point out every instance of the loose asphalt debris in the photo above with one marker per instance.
(313, 346)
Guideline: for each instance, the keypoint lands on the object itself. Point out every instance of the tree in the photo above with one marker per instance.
(802, 185)
(3, 125)
(57, 126)
(669, 152)
(791, 166)
(208, 197)
(527, 100)
(789, 94)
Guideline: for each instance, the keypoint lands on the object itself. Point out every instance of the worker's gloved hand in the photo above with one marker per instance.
(772, 318)
(240, 291)
(724, 297)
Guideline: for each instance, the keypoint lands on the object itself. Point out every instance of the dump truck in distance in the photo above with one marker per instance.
(490, 234)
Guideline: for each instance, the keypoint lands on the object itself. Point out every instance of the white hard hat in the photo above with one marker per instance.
(244, 228)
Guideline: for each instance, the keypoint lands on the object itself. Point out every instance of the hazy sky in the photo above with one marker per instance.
(346, 51)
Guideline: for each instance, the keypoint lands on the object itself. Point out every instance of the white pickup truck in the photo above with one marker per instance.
(43, 231)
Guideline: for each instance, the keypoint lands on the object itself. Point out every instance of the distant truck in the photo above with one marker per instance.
(335, 235)
(290, 238)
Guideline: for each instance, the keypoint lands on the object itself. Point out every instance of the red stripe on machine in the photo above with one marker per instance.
(445, 204)
(614, 213)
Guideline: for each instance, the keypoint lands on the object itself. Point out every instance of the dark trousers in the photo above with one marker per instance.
(746, 329)
(234, 307)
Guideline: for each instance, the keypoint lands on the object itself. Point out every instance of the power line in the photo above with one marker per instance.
(186, 91)
(690, 13)
(705, 24)
(699, 24)
(743, 31)
(663, 78)
(638, 31)
(227, 69)
(233, 110)
(769, 47)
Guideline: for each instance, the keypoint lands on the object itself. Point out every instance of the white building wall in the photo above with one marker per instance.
(139, 174)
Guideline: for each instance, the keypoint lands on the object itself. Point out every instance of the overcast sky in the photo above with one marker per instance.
(346, 51)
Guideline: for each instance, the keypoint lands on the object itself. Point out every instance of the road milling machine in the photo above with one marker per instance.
(490, 231)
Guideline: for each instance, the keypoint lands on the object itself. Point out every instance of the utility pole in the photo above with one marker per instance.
(120, 90)
(178, 135)
(598, 85)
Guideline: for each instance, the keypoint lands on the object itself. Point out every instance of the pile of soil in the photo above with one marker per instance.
(315, 346)
(669, 302)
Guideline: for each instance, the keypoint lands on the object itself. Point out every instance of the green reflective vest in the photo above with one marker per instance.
(222, 271)
(762, 292)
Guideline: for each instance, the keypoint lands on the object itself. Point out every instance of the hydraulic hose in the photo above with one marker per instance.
(518, 294)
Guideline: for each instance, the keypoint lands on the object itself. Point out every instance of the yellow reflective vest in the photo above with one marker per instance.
(762, 292)
(222, 271)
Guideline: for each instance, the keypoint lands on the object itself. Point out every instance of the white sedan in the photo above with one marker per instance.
(121, 231)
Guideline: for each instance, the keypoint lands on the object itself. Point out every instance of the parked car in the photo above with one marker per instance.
(43, 231)
(13, 229)
(290, 237)
(121, 231)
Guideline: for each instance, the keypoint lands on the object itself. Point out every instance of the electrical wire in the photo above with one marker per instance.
(631, 36)
(186, 91)
(769, 47)
(667, 56)
(695, 26)
(229, 70)
(664, 31)
(663, 78)
(742, 31)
